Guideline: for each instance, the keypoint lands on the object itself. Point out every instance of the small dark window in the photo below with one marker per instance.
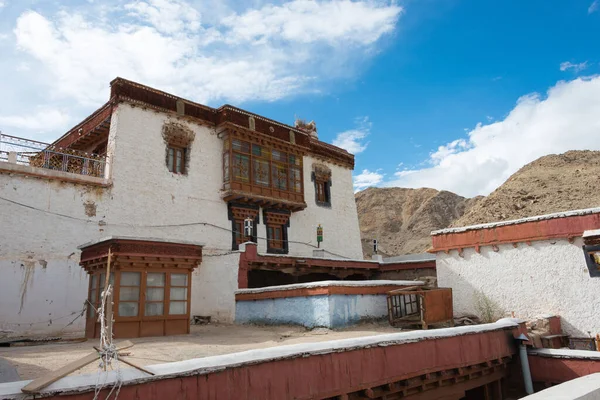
(321, 191)
(321, 178)
(275, 236)
(239, 231)
(176, 159)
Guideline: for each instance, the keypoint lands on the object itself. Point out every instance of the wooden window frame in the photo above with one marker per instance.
(99, 287)
(164, 288)
(322, 187)
(187, 300)
(286, 163)
(272, 232)
(237, 222)
(274, 220)
(142, 296)
(117, 295)
(172, 163)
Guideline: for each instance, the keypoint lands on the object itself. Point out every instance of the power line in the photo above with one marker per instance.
(160, 226)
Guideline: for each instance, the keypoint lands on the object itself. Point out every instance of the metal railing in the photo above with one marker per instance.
(43, 155)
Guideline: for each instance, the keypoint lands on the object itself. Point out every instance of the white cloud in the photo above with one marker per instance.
(42, 120)
(575, 67)
(566, 119)
(305, 21)
(265, 53)
(353, 140)
(594, 6)
(367, 179)
(167, 16)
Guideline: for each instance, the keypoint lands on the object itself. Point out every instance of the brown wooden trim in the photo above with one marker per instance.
(407, 266)
(87, 126)
(318, 291)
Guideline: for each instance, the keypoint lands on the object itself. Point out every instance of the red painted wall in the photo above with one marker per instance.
(558, 370)
(326, 375)
(565, 227)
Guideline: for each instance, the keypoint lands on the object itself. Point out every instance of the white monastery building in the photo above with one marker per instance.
(166, 184)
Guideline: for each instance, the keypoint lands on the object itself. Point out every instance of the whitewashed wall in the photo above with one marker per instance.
(340, 222)
(548, 277)
(38, 251)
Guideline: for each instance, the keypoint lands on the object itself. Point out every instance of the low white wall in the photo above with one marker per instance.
(584, 388)
(330, 311)
(548, 277)
(42, 296)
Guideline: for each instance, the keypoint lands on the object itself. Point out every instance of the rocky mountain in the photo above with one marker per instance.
(553, 183)
(402, 219)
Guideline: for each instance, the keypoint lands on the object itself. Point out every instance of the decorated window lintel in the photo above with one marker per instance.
(237, 214)
(178, 139)
(277, 222)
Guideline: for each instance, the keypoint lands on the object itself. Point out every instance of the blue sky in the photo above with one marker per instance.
(449, 94)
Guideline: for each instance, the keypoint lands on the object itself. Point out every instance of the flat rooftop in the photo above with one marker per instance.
(203, 341)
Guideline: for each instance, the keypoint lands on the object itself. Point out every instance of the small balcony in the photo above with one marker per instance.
(26, 152)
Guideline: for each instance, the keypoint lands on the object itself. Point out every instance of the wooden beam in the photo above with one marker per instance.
(40, 383)
(134, 365)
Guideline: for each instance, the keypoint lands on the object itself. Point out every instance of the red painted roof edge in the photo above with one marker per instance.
(560, 227)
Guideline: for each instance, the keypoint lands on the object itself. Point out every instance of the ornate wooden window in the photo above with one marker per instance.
(178, 138)
(262, 170)
(152, 285)
(176, 159)
(321, 177)
(277, 222)
(238, 213)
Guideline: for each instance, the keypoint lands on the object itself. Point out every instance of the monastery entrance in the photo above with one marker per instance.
(151, 281)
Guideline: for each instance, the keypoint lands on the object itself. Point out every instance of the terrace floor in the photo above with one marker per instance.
(203, 341)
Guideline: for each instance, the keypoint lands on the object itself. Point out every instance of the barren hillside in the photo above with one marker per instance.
(402, 219)
(552, 183)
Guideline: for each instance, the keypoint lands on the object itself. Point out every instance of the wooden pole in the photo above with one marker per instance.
(107, 278)
(38, 384)
(107, 299)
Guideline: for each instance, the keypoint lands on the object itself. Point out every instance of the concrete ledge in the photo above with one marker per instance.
(584, 388)
(50, 174)
(566, 353)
